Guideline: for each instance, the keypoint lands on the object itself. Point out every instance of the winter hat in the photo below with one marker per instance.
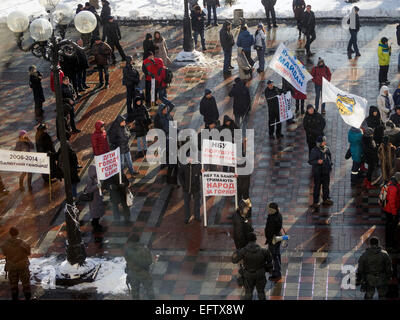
(13, 232)
(374, 241)
(368, 132)
(110, 17)
(356, 8)
(320, 60)
(270, 81)
(310, 106)
(21, 133)
(321, 139)
(237, 80)
(384, 40)
(150, 53)
(260, 25)
(390, 124)
(272, 208)
(129, 59)
(397, 107)
(252, 237)
(207, 91)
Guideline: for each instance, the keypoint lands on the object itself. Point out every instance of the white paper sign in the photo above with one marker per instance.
(219, 184)
(285, 106)
(108, 164)
(35, 162)
(219, 153)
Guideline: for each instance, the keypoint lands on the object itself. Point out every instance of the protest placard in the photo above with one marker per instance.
(18, 161)
(219, 184)
(219, 153)
(108, 164)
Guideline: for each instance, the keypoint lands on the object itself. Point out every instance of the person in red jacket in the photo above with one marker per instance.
(318, 72)
(161, 85)
(99, 139)
(391, 210)
(150, 69)
(61, 76)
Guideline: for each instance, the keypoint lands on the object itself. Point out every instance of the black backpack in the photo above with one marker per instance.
(168, 76)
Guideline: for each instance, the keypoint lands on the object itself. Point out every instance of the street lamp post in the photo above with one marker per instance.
(48, 46)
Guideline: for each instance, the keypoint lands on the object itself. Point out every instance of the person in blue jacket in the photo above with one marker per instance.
(246, 41)
(355, 140)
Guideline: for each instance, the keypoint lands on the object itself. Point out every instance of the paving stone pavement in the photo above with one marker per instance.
(194, 262)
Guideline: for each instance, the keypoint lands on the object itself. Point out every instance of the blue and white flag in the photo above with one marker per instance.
(352, 108)
(288, 67)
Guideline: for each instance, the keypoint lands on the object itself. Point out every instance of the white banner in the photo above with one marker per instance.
(221, 184)
(108, 164)
(35, 162)
(153, 90)
(288, 67)
(285, 106)
(219, 153)
(352, 108)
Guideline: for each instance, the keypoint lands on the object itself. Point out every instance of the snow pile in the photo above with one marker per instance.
(173, 9)
(111, 278)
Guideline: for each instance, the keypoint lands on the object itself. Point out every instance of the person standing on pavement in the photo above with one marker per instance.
(189, 177)
(118, 136)
(99, 139)
(393, 133)
(35, 83)
(298, 8)
(300, 98)
(370, 152)
(241, 225)
(259, 46)
(398, 43)
(396, 96)
(138, 261)
(227, 43)
(321, 161)
(118, 196)
(113, 36)
(241, 104)
(24, 144)
(318, 72)
(270, 10)
(83, 65)
(105, 13)
(74, 168)
(384, 53)
(395, 118)
(142, 121)
(271, 96)
(70, 66)
(314, 125)
(209, 108)
(211, 5)
(96, 31)
(387, 157)
(385, 103)
(16, 252)
(256, 261)
(162, 48)
(355, 139)
(308, 28)
(102, 52)
(198, 19)
(148, 46)
(130, 79)
(69, 98)
(96, 206)
(374, 121)
(245, 41)
(272, 229)
(150, 68)
(354, 22)
(161, 83)
(245, 68)
(374, 270)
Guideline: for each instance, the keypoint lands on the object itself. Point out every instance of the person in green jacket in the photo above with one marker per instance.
(384, 53)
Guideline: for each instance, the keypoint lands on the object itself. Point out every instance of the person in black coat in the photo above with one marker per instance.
(96, 31)
(269, 10)
(148, 46)
(375, 122)
(308, 28)
(105, 13)
(142, 121)
(113, 35)
(209, 108)
(273, 228)
(73, 167)
(370, 152)
(189, 177)
(118, 196)
(241, 103)
(198, 19)
(241, 225)
(69, 96)
(321, 161)
(35, 82)
(211, 5)
(70, 67)
(271, 96)
(314, 125)
(83, 65)
(130, 79)
(398, 42)
(395, 117)
(298, 8)
(227, 43)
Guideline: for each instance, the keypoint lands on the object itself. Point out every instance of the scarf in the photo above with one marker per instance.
(387, 102)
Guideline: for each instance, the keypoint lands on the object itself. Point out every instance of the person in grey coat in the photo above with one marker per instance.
(227, 43)
(96, 206)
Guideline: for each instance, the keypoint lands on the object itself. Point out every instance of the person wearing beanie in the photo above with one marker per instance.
(321, 161)
(209, 108)
(354, 27)
(354, 138)
(387, 158)
(370, 152)
(256, 261)
(101, 52)
(96, 32)
(259, 46)
(270, 10)
(314, 125)
(35, 83)
(198, 17)
(298, 8)
(112, 33)
(105, 14)
(273, 229)
(16, 252)
(271, 96)
(318, 72)
(227, 43)
(241, 104)
(393, 133)
(130, 79)
(385, 103)
(140, 116)
(241, 225)
(245, 41)
(151, 67)
(24, 144)
(308, 27)
(391, 210)
(374, 271)
(374, 121)
(384, 53)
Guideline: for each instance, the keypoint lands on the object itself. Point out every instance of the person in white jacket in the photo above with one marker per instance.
(385, 103)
